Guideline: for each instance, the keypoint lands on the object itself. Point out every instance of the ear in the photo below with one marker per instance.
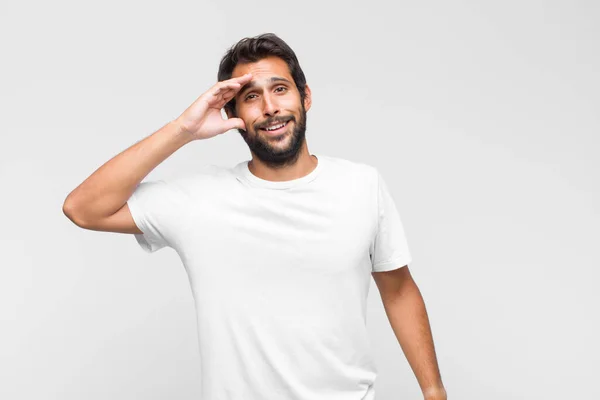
(307, 97)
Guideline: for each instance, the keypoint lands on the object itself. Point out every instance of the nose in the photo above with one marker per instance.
(270, 106)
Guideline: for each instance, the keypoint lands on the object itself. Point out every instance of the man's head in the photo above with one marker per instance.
(277, 93)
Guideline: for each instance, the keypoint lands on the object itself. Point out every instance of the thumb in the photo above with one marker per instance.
(235, 123)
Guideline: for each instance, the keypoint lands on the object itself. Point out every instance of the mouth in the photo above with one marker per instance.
(275, 129)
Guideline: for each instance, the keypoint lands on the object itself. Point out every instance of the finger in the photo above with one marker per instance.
(229, 94)
(231, 83)
(241, 80)
(222, 98)
(244, 78)
(234, 123)
(223, 87)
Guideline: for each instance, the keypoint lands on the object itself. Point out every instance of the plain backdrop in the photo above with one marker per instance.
(483, 117)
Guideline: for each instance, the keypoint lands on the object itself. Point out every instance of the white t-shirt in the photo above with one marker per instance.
(280, 273)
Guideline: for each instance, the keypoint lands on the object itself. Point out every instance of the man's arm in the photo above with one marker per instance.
(406, 312)
(99, 202)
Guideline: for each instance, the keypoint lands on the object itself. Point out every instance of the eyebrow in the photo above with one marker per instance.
(252, 84)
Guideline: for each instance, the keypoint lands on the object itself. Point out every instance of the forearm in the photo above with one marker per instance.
(409, 320)
(105, 191)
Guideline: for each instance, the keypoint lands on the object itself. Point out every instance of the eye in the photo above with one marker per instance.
(249, 97)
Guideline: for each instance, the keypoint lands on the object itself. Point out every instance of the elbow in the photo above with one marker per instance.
(69, 210)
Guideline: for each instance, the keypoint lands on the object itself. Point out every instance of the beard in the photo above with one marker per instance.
(267, 148)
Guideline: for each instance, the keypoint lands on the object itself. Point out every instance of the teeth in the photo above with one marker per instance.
(272, 128)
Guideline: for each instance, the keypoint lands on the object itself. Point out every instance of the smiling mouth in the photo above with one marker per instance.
(280, 128)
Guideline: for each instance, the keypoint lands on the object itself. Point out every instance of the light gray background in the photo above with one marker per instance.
(482, 116)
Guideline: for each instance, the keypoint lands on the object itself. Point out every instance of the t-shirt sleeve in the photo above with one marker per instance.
(389, 249)
(153, 206)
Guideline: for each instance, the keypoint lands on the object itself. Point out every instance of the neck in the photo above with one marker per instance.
(303, 165)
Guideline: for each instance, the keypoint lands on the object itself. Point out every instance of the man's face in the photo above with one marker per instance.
(270, 99)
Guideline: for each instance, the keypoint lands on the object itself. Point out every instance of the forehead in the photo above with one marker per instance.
(264, 68)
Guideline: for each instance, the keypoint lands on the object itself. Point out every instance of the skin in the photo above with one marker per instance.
(406, 311)
(284, 156)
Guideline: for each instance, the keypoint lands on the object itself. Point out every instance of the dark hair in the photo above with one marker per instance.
(253, 49)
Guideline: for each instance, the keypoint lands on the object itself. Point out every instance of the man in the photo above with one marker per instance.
(279, 249)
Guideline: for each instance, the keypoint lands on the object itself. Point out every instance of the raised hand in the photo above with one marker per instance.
(203, 119)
